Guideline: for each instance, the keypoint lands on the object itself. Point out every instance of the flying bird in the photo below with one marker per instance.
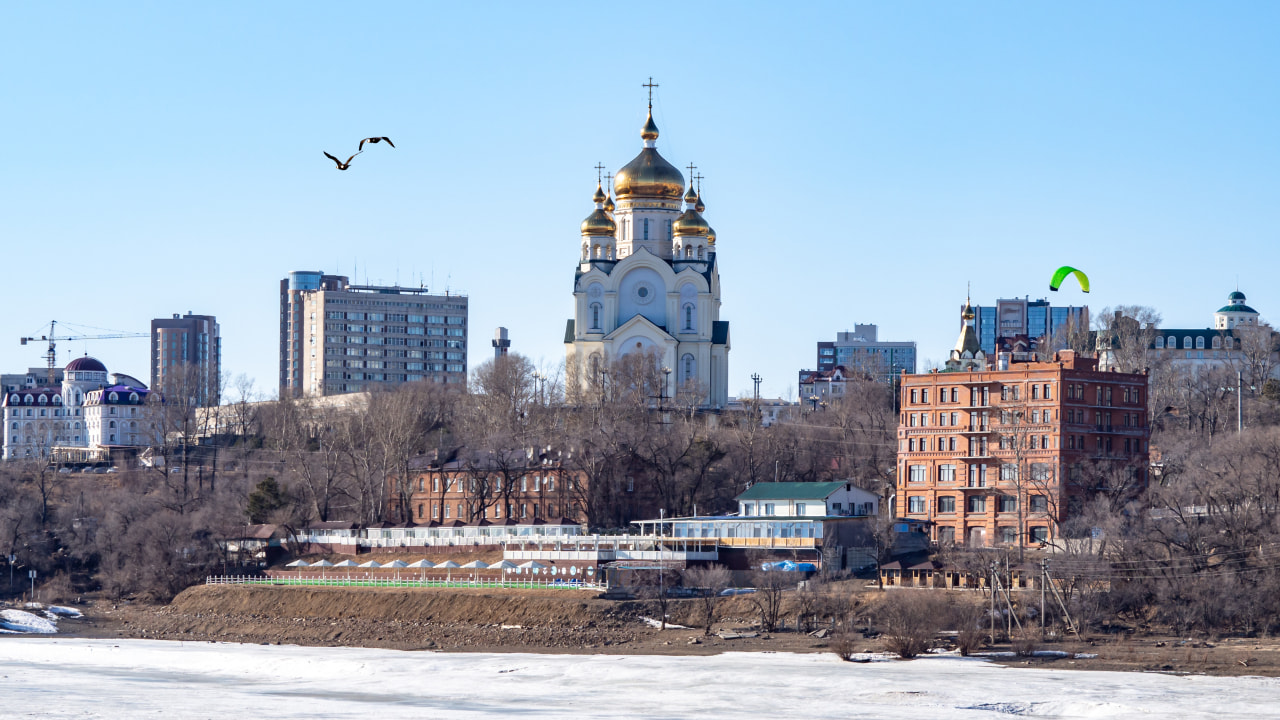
(375, 140)
(341, 165)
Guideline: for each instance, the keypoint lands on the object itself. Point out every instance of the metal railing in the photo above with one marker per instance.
(405, 581)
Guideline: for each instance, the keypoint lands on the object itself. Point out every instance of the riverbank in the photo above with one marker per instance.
(575, 621)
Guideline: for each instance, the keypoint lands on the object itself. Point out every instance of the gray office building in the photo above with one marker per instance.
(337, 338)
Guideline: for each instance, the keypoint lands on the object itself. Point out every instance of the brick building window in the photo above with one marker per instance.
(916, 473)
(977, 504)
(946, 504)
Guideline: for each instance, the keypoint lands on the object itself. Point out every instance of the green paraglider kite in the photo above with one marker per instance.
(1062, 274)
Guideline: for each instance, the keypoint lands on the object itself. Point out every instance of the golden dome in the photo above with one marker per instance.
(697, 204)
(650, 129)
(967, 313)
(690, 223)
(599, 223)
(608, 205)
(711, 236)
(649, 175)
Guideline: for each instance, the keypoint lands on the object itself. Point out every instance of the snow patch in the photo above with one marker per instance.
(24, 622)
(670, 626)
(59, 610)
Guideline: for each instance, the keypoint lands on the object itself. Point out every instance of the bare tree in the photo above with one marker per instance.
(710, 581)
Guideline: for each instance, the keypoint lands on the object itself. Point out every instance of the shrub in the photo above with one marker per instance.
(910, 620)
(842, 645)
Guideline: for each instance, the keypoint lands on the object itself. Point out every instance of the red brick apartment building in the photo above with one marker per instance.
(1000, 456)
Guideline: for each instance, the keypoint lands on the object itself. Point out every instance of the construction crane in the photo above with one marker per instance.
(51, 356)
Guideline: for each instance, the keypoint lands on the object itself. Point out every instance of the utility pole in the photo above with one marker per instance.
(992, 588)
(1239, 402)
(1044, 572)
(32, 574)
(12, 559)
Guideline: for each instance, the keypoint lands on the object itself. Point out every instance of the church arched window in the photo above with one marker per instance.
(585, 251)
(688, 316)
(1186, 342)
(1160, 342)
(1217, 343)
(687, 368)
(700, 256)
(1200, 343)
(669, 233)
(595, 316)
(646, 228)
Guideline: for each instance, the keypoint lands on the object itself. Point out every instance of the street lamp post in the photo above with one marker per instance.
(12, 559)
(32, 574)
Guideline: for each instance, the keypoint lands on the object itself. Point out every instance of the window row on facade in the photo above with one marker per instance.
(975, 504)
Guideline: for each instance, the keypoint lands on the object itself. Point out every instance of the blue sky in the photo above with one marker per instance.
(862, 161)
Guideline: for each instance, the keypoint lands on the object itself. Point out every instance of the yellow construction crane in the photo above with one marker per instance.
(51, 356)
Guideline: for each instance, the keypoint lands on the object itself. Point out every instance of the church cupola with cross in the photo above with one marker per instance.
(598, 231)
(647, 283)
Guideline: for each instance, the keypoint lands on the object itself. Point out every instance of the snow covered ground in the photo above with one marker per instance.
(64, 678)
(21, 621)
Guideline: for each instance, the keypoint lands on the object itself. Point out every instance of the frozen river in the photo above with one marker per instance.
(68, 678)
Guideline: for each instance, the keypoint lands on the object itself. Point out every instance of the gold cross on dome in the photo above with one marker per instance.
(651, 85)
(599, 172)
(698, 178)
(692, 167)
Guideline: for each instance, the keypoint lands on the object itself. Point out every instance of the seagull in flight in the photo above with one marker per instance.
(341, 165)
(375, 140)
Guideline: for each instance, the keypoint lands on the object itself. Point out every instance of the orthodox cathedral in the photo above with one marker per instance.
(647, 281)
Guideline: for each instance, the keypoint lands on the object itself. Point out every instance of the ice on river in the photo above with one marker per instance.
(65, 678)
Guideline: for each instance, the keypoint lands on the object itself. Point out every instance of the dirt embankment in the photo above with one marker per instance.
(409, 619)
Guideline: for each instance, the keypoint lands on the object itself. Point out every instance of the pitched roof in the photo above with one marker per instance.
(790, 491)
(720, 332)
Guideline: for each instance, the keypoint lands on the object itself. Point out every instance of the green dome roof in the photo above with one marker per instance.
(1237, 308)
(1237, 295)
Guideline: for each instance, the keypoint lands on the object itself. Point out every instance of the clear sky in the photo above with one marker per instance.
(862, 161)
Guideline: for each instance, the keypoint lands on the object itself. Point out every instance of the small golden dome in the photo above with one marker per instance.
(599, 197)
(967, 313)
(690, 197)
(599, 223)
(711, 236)
(650, 129)
(690, 223)
(608, 205)
(697, 204)
(648, 175)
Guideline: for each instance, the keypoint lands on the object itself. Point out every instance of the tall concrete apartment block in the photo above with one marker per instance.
(186, 350)
(860, 350)
(337, 338)
(1002, 456)
(1034, 319)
